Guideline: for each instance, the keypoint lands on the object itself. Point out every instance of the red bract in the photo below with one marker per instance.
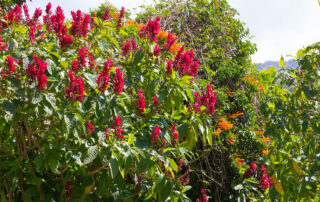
(2, 45)
(141, 102)
(174, 135)
(118, 82)
(14, 15)
(197, 102)
(155, 135)
(37, 72)
(151, 30)
(65, 41)
(80, 24)
(117, 127)
(35, 17)
(265, 181)
(155, 102)
(11, 68)
(250, 170)
(184, 63)
(134, 44)
(57, 22)
(90, 126)
(169, 67)
(46, 18)
(32, 34)
(126, 48)
(209, 100)
(169, 43)
(26, 13)
(76, 90)
(82, 62)
(156, 51)
(103, 77)
(120, 18)
(106, 15)
(177, 58)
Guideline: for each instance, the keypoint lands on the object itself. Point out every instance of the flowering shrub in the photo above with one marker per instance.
(90, 109)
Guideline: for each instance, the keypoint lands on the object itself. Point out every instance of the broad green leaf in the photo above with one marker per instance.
(114, 167)
(130, 139)
(173, 164)
(9, 107)
(138, 57)
(277, 184)
(13, 45)
(91, 155)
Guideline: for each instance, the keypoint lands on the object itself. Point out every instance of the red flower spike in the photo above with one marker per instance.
(2, 45)
(156, 51)
(151, 30)
(76, 89)
(37, 72)
(126, 48)
(174, 135)
(155, 102)
(90, 126)
(155, 135)
(65, 41)
(32, 34)
(11, 68)
(118, 82)
(141, 102)
(170, 42)
(106, 15)
(103, 77)
(117, 127)
(57, 21)
(169, 67)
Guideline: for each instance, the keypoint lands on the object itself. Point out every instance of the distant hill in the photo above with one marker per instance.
(267, 64)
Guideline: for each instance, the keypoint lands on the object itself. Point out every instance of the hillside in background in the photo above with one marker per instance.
(290, 63)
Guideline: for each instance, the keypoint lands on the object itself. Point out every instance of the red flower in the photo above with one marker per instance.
(65, 41)
(151, 30)
(46, 18)
(170, 42)
(197, 103)
(126, 48)
(117, 127)
(169, 67)
(80, 24)
(37, 71)
(32, 34)
(57, 22)
(155, 135)
(11, 68)
(174, 135)
(82, 62)
(35, 17)
(103, 77)
(14, 15)
(209, 100)
(122, 12)
(76, 90)
(26, 13)
(3, 46)
(90, 126)
(141, 102)
(133, 44)
(156, 51)
(106, 15)
(265, 181)
(250, 170)
(155, 102)
(118, 82)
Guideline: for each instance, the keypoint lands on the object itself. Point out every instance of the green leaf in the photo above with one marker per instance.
(50, 65)
(114, 167)
(37, 98)
(173, 164)
(13, 45)
(91, 80)
(138, 57)
(130, 139)
(281, 62)
(91, 155)
(9, 108)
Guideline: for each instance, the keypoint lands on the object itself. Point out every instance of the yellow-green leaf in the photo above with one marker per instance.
(88, 189)
(131, 138)
(281, 62)
(173, 164)
(296, 168)
(277, 184)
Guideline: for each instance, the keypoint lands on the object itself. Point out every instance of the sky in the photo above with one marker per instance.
(279, 27)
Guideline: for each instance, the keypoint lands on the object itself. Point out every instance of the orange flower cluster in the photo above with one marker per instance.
(261, 87)
(229, 92)
(231, 140)
(163, 34)
(132, 22)
(232, 116)
(265, 139)
(217, 4)
(217, 132)
(175, 47)
(230, 14)
(265, 152)
(260, 132)
(116, 16)
(248, 78)
(239, 161)
(226, 125)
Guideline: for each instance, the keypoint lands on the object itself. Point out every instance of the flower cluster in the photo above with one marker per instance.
(232, 116)
(129, 45)
(37, 72)
(76, 90)
(250, 170)
(118, 82)
(265, 180)
(117, 127)
(155, 102)
(204, 197)
(81, 62)
(141, 104)
(156, 51)
(170, 41)
(103, 77)
(11, 68)
(106, 15)
(169, 67)
(225, 125)
(46, 18)
(80, 24)
(174, 135)
(90, 126)
(2, 45)
(14, 15)
(155, 135)
(184, 63)
(208, 100)
(151, 30)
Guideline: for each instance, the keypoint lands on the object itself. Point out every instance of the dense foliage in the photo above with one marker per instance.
(164, 108)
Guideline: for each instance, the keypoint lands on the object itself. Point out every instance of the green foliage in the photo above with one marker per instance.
(291, 115)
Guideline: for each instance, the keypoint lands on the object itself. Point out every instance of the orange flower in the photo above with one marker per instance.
(265, 139)
(217, 132)
(231, 103)
(229, 92)
(248, 78)
(261, 87)
(222, 118)
(237, 154)
(217, 4)
(232, 116)
(175, 47)
(251, 128)
(116, 16)
(140, 25)
(231, 140)
(239, 161)
(163, 34)
(260, 132)
(265, 152)
(131, 22)
(239, 114)
(255, 82)
(230, 14)
(226, 125)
